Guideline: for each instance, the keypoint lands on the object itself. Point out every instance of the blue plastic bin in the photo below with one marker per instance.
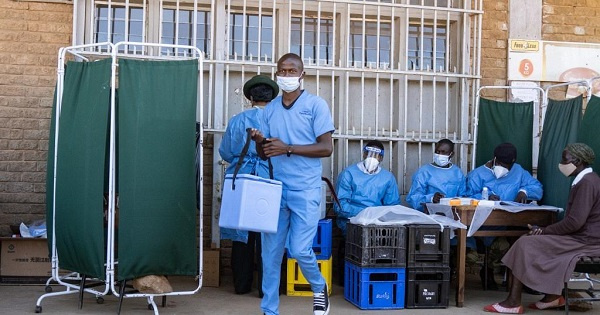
(374, 288)
(322, 242)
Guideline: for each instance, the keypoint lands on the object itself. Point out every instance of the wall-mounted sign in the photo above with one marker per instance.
(524, 45)
(554, 62)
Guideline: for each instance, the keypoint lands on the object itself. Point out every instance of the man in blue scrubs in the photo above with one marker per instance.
(437, 180)
(365, 184)
(505, 180)
(260, 90)
(296, 134)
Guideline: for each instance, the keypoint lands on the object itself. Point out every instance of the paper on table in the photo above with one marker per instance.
(482, 212)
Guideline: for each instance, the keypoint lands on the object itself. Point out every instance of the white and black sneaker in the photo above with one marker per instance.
(321, 302)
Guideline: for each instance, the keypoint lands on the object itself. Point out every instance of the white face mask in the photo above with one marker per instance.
(371, 164)
(441, 160)
(500, 171)
(288, 84)
(567, 169)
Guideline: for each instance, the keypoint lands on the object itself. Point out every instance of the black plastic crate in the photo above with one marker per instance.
(376, 245)
(427, 287)
(428, 246)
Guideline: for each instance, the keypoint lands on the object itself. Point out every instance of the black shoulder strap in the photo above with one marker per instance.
(333, 194)
(240, 161)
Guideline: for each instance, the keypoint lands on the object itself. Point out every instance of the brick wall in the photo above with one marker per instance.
(30, 36)
(494, 41)
(571, 20)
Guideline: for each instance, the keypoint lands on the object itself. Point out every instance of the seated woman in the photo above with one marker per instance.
(546, 257)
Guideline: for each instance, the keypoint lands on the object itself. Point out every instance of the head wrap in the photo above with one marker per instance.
(582, 151)
(506, 153)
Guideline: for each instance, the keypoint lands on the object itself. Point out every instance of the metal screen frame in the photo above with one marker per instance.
(86, 53)
(537, 118)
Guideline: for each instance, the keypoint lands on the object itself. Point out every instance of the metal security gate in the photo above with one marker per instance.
(405, 72)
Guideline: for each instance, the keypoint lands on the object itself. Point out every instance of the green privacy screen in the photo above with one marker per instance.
(157, 108)
(83, 130)
(504, 122)
(588, 131)
(50, 176)
(560, 128)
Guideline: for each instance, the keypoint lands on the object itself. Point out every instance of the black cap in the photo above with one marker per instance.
(260, 79)
(506, 153)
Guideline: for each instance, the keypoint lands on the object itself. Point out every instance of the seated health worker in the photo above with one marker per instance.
(545, 258)
(259, 90)
(438, 179)
(364, 184)
(505, 180)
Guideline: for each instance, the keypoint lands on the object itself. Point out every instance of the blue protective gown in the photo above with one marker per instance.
(302, 124)
(230, 150)
(357, 190)
(506, 187)
(430, 179)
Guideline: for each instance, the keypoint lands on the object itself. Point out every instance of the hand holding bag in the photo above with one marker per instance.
(250, 202)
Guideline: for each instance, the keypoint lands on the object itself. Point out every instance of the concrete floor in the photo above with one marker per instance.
(21, 299)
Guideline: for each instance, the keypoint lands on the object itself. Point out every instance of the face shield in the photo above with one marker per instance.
(373, 155)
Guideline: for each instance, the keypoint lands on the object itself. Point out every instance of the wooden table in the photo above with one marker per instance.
(496, 218)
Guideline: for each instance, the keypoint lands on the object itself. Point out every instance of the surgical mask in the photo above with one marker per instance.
(441, 160)
(500, 171)
(567, 169)
(371, 164)
(288, 84)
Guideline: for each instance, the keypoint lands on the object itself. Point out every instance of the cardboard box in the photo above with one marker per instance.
(24, 257)
(210, 268)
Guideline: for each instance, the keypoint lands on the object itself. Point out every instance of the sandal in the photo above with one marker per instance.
(539, 305)
(497, 308)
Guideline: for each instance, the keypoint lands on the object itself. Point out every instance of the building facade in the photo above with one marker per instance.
(405, 72)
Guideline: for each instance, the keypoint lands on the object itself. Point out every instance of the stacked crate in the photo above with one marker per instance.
(374, 272)
(428, 269)
(297, 285)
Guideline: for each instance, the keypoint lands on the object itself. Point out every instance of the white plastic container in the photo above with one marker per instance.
(252, 206)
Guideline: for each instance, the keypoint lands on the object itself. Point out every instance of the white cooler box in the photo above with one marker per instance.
(253, 205)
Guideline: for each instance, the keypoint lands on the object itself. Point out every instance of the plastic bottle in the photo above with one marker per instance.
(485, 194)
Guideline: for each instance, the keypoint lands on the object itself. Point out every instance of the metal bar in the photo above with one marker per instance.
(302, 30)
(226, 107)
(259, 29)
(230, 26)
(245, 22)
(392, 37)
(318, 44)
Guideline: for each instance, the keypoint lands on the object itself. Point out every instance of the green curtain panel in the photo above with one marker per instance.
(588, 130)
(505, 122)
(157, 110)
(50, 176)
(83, 130)
(560, 128)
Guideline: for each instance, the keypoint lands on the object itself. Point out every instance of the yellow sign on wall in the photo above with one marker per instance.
(524, 45)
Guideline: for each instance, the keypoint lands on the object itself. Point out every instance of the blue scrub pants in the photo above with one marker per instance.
(299, 217)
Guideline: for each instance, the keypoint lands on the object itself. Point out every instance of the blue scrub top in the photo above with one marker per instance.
(306, 120)
(230, 149)
(430, 179)
(234, 140)
(506, 187)
(357, 191)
